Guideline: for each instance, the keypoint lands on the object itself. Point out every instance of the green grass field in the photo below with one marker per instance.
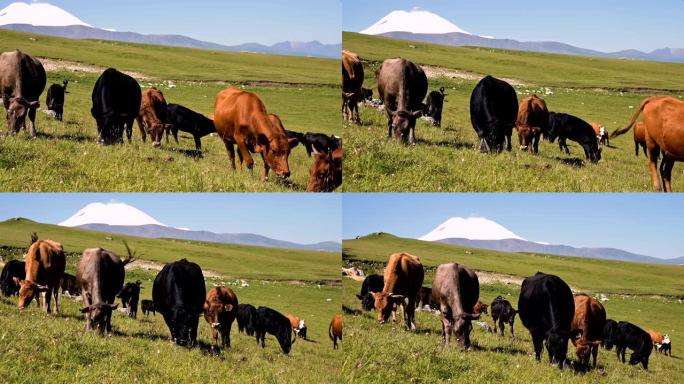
(445, 159)
(298, 282)
(646, 295)
(65, 157)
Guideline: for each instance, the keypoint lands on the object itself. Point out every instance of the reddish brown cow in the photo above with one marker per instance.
(601, 133)
(335, 329)
(220, 309)
(326, 171)
(533, 119)
(480, 307)
(664, 133)
(45, 264)
(403, 278)
(586, 329)
(240, 118)
(656, 337)
(640, 138)
(352, 81)
(152, 116)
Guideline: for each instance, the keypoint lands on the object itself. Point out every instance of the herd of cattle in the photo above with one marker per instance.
(178, 294)
(546, 307)
(494, 113)
(240, 119)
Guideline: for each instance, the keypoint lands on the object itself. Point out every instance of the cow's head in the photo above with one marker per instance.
(157, 132)
(584, 350)
(16, 113)
(112, 128)
(214, 313)
(99, 313)
(326, 172)
(28, 290)
(284, 337)
(384, 304)
(610, 331)
(463, 328)
(182, 324)
(557, 345)
(403, 122)
(276, 150)
(526, 136)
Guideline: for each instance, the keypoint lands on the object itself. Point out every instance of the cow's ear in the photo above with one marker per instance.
(228, 307)
(293, 142)
(206, 305)
(42, 288)
(34, 104)
(262, 140)
(416, 114)
(85, 310)
(113, 306)
(397, 297)
(359, 296)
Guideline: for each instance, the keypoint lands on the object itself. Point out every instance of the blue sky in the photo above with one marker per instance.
(649, 224)
(605, 25)
(297, 217)
(220, 21)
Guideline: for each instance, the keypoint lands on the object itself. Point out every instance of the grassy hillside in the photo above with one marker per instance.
(446, 158)
(302, 91)
(635, 293)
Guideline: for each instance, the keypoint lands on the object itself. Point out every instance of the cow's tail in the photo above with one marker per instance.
(131, 254)
(330, 334)
(635, 116)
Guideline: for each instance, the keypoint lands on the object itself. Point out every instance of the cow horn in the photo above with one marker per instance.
(131, 254)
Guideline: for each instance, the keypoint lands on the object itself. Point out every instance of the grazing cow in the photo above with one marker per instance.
(335, 329)
(246, 318)
(402, 86)
(546, 308)
(372, 283)
(434, 105)
(325, 174)
(424, 297)
(503, 312)
(601, 133)
(55, 99)
(101, 276)
(152, 116)
(493, 113)
(564, 126)
(661, 343)
(130, 295)
(366, 94)
(116, 104)
(22, 80)
(179, 295)
(298, 326)
(666, 346)
(317, 143)
(480, 308)
(220, 309)
(586, 330)
(625, 335)
(271, 321)
(147, 306)
(45, 263)
(533, 119)
(403, 278)
(69, 285)
(456, 290)
(12, 271)
(240, 118)
(640, 138)
(187, 120)
(352, 81)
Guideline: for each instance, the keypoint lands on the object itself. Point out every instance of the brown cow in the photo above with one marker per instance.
(45, 263)
(664, 121)
(456, 289)
(22, 80)
(533, 119)
(586, 329)
(298, 326)
(640, 138)
(325, 174)
(240, 118)
(352, 81)
(601, 133)
(403, 278)
(152, 116)
(656, 337)
(335, 329)
(480, 308)
(220, 309)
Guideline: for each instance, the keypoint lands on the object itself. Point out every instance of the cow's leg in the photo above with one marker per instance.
(198, 143)
(495, 330)
(32, 118)
(55, 292)
(538, 341)
(226, 340)
(245, 155)
(511, 324)
(446, 331)
(231, 152)
(653, 154)
(411, 313)
(509, 145)
(141, 126)
(666, 165)
(594, 354)
(412, 135)
(48, 299)
(535, 143)
(501, 325)
(264, 172)
(389, 127)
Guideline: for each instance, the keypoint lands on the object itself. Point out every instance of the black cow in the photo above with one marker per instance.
(55, 99)
(246, 317)
(130, 295)
(178, 294)
(503, 312)
(493, 112)
(187, 120)
(434, 105)
(372, 283)
(424, 297)
(116, 104)
(546, 308)
(68, 284)
(147, 306)
(402, 86)
(625, 335)
(22, 80)
(366, 94)
(271, 321)
(316, 142)
(564, 126)
(12, 269)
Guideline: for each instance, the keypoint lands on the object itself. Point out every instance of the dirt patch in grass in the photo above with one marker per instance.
(51, 65)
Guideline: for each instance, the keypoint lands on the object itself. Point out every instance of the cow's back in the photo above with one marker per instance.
(101, 267)
(21, 75)
(402, 85)
(234, 110)
(456, 282)
(352, 72)
(404, 274)
(494, 100)
(117, 94)
(539, 295)
(179, 284)
(45, 262)
(664, 119)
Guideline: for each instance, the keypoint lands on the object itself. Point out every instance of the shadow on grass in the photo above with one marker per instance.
(444, 143)
(77, 137)
(349, 311)
(574, 162)
(506, 350)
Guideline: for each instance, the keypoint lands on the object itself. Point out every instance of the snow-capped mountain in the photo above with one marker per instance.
(110, 214)
(414, 21)
(472, 228)
(41, 14)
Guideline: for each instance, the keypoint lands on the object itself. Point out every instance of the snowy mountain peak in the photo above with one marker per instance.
(416, 20)
(38, 14)
(472, 228)
(111, 214)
